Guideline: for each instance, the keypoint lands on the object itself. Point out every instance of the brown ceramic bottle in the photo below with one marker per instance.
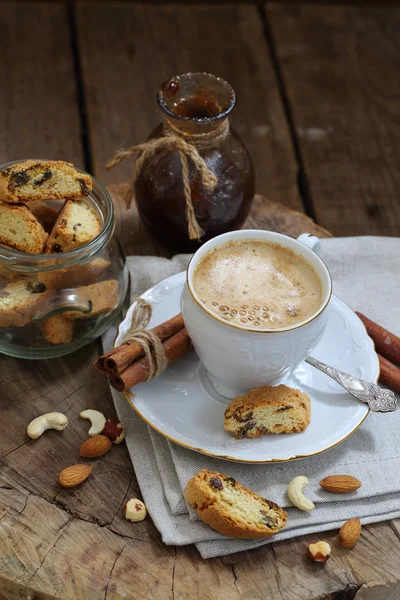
(196, 107)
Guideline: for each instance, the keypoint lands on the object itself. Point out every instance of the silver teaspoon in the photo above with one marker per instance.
(378, 400)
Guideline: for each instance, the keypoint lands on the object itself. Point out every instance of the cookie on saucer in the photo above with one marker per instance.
(267, 410)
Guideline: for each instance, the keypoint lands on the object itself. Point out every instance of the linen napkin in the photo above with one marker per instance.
(365, 275)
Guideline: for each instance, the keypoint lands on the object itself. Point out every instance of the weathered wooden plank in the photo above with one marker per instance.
(48, 553)
(68, 385)
(203, 579)
(128, 50)
(254, 2)
(30, 469)
(38, 100)
(49, 549)
(76, 543)
(340, 69)
(362, 572)
(378, 575)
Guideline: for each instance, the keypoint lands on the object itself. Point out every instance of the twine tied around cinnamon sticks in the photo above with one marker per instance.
(140, 356)
(151, 344)
(173, 139)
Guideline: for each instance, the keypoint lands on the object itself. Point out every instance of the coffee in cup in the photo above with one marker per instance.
(257, 284)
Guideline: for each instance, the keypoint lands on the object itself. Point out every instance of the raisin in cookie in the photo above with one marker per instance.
(267, 410)
(43, 180)
(18, 302)
(19, 229)
(77, 224)
(232, 509)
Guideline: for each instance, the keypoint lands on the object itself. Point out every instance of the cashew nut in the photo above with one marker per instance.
(54, 420)
(97, 419)
(296, 496)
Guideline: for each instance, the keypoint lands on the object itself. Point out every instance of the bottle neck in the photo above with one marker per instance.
(196, 102)
(195, 132)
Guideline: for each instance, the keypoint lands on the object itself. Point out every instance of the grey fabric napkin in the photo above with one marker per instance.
(365, 275)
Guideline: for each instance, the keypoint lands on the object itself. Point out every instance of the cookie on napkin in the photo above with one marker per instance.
(231, 509)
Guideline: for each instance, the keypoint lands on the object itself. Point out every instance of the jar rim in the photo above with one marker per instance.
(40, 262)
(218, 80)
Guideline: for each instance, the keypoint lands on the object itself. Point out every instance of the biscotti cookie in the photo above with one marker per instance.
(232, 509)
(19, 229)
(77, 224)
(43, 180)
(46, 213)
(18, 302)
(102, 296)
(75, 276)
(267, 410)
(57, 330)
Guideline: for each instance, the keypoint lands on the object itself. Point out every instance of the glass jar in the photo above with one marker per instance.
(53, 304)
(196, 107)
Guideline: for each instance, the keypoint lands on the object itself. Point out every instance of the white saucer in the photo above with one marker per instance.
(183, 406)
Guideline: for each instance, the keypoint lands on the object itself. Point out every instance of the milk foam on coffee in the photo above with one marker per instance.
(257, 284)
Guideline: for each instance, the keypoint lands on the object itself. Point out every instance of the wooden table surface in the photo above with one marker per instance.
(318, 95)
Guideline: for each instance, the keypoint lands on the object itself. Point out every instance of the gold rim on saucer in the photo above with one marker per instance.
(129, 396)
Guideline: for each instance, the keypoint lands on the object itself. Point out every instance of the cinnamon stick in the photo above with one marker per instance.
(387, 344)
(118, 359)
(178, 345)
(390, 374)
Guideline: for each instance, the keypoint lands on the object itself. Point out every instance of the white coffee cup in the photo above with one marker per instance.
(238, 359)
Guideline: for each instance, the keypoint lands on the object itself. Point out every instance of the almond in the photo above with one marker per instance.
(340, 484)
(349, 533)
(95, 446)
(72, 476)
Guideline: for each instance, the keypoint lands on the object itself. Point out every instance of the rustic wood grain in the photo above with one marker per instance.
(340, 70)
(129, 50)
(38, 102)
(76, 544)
(252, 2)
(357, 573)
(59, 543)
(297, 578)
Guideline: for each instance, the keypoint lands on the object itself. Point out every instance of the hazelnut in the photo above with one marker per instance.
(114, 431)
(135, 510)
(319, 551)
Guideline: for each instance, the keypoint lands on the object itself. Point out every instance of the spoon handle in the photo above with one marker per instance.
(378, 399)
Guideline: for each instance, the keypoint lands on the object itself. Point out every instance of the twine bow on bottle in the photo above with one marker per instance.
(149, 341)
(173, 141)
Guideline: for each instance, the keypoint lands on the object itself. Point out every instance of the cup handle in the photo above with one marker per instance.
(311, 241)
